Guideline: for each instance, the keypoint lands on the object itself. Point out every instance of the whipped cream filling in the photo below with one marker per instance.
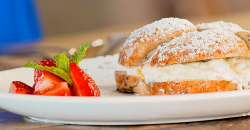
(236, 70)
(132, 71)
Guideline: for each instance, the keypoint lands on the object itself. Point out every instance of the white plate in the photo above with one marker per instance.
(114, 108)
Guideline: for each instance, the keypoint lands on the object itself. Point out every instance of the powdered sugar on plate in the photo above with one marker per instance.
(102, 69)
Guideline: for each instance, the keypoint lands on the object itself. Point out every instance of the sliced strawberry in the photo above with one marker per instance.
(50, 84)
(60, 89)
(38, 72)
(19, 87)
(83, 84)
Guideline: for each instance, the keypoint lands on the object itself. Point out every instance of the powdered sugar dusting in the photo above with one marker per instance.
(220, 25)
(193, 45)
(156, 31)
(101, 69)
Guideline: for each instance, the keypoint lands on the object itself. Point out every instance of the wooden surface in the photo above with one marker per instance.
(10, 121)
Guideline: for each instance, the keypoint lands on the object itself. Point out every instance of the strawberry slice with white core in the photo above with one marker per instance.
(60, 89)
(38, 72)
(50, 84)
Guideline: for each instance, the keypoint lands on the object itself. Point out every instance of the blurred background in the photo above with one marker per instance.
(37, 29)
(67, 16)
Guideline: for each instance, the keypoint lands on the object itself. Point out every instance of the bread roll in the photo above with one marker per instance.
(176, 57)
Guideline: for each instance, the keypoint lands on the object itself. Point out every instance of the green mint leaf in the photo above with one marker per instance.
(57, 71)
(62, 61)
(78, 55)
(56, 58)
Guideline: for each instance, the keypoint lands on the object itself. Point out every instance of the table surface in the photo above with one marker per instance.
(10, 121)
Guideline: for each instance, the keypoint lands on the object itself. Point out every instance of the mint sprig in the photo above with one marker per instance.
(57, 71)
(77, 57)
(62, 63)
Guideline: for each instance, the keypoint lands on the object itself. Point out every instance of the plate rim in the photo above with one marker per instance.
(136, 98)
(132, 99)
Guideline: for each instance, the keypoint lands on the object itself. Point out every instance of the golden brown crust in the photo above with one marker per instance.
(185, 87)
(194, 46)
(125, 83)
(149, 37)
(244, 35)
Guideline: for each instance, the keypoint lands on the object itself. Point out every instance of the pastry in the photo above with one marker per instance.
(173, 56)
